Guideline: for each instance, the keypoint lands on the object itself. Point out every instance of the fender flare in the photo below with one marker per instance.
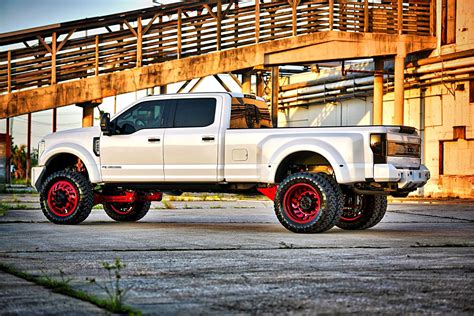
(318, 147)
(70, 148)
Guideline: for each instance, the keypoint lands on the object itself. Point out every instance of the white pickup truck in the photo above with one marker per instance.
(318, 177)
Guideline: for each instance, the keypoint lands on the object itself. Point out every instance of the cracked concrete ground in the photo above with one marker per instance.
(233, 257)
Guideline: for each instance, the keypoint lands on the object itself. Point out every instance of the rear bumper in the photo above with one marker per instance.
(407, 179)
(36, 177)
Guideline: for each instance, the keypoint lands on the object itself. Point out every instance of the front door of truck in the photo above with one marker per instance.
(191, 142)
(135, 152)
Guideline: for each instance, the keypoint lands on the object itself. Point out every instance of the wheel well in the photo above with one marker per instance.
(302, 161)
(65, 161)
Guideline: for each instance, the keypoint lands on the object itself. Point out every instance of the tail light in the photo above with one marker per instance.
(378, 144)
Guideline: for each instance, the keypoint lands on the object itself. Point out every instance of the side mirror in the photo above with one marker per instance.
(105, 125)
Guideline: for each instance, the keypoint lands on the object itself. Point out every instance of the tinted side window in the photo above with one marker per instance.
(195, 112)
(146, 115)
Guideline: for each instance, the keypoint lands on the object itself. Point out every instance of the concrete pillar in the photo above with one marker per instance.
(55, 119)
(246, 83)
(377, 110)
(8, 153)
(260, 85)
(399, 89)
(88, 116)
(275, 90)
(88, 112)
(164, 89)
(28, 150)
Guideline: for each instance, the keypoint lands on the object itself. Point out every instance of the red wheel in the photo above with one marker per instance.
(127, 212)
(362, 211)
(353, 209)
(66, 197)
(308, 202)
(121, 208)
(301, 203)
(63, 198)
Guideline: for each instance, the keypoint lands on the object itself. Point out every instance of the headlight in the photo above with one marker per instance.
(96, 146)
(41, 147)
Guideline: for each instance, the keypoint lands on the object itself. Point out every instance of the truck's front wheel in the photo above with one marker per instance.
(127, 212)
(362, 211)
(308, 203)
(66, 197)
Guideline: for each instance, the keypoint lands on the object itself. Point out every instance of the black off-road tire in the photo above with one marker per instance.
(127, 212)
(296, 203)
(64, 189)
(372, 210)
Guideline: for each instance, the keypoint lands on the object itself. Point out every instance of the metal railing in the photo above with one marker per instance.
(91, 47)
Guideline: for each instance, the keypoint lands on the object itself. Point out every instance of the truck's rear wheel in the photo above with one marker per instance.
(307, 203)
(362, 211)
(127, 212)
(66, 197)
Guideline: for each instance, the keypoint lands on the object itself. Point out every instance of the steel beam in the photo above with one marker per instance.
(377, 111)
(275, 91)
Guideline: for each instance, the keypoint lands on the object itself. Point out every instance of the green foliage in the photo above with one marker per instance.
(63, 287)
(3, 209)
(168, 204)
(112, 287)
(18, 160)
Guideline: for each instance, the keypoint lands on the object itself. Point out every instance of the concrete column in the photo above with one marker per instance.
(399, 89)
(88, 116)
(260, 85)
(88, 112)
(275, 90)
(8, 153)
(55, 119)
(246, 83)
(28, 150)
(164, 89)
(377, 110)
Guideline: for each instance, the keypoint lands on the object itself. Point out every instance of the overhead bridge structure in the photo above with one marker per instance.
(87, 60)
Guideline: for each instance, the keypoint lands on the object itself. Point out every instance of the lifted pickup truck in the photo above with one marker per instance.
(318, 177)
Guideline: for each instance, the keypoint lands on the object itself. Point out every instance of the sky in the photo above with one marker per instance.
(21, 14)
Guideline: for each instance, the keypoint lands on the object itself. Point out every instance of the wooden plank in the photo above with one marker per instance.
(139, 42)
(130, 28)
(9, 72)
(64, 41)
(53, 58)
(96, 68)
(236, 79)
(400, 17)
(331, 14)
(366, 15)
(275, 91)
(181, 89)
(222, 83)
(433, 18)
(178, 52)
(219, 24)
(41, 40)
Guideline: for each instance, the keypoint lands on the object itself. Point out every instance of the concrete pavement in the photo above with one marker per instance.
(233, 257)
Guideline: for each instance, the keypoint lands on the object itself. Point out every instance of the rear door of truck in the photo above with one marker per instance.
(191, 144)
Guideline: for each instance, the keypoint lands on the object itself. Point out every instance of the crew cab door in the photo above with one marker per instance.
(191, 143)
(134, 153)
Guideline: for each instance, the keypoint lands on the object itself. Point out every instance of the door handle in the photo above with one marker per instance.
(153, 140)
(208, 138)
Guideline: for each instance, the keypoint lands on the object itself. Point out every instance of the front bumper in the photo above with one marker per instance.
(36, 177)
(406, 179)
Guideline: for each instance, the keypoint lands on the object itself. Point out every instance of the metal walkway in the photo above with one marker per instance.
(86, 60)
